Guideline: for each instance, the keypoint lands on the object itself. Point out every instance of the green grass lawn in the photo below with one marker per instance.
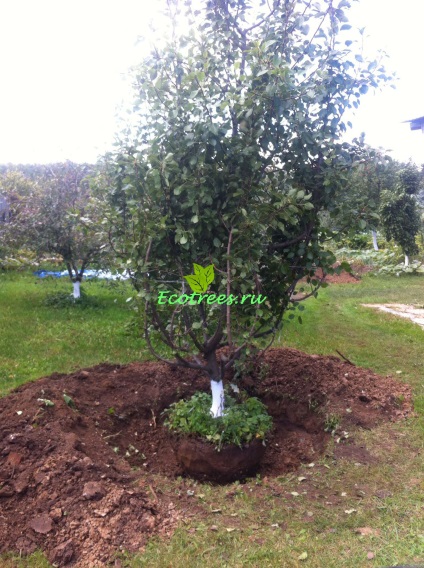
(37, 339)
(259, 527)
(369, 338)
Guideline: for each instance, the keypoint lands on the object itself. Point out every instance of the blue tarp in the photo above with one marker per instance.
(103, 274)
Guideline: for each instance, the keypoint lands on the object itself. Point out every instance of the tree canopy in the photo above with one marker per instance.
(237, 151)
(51, 211)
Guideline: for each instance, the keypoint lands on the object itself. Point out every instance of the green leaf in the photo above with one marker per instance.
(197, 283)
(68, 400)
(209, 274)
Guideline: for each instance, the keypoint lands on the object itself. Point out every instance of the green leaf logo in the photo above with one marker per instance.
(202, 277)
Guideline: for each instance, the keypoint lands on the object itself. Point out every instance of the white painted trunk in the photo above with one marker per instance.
(374, 240)
(406, 260)
(77, 292)
(217, 408)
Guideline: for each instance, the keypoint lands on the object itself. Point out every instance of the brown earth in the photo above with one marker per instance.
(82, 481)
(358, 270)
(304, 290)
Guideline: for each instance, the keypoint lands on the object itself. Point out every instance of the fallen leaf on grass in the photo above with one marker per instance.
(230, 529)
(301, 478)
(303, 556)
(350, 511)
(367, 531)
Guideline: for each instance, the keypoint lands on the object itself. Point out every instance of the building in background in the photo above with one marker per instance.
(417, 123)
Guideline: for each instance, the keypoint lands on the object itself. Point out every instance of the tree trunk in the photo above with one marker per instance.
(217, 408)
(374, 240)
(217, 387)
(77, 291)
(406, 260)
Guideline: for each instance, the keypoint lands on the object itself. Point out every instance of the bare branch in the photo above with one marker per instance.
(230, 238)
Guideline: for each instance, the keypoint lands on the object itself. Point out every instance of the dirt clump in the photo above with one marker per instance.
(82, 455)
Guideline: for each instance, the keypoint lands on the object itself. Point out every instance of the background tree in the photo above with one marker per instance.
(14, 189)
(372, 173)
(58, 216)
(235, 158)
(400, 211)
(120, 223)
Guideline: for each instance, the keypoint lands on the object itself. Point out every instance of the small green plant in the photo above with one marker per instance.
(332, 422)
(415, 267)
(69, 401)
(241, 423)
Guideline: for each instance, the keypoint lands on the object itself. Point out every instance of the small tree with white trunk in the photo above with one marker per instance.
(235, 157)
(400, 211)
(57, 215)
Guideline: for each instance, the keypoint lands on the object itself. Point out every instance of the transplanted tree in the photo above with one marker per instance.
(58, 216)
(236, 155)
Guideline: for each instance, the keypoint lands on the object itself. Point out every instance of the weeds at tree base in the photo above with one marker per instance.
(240, 424)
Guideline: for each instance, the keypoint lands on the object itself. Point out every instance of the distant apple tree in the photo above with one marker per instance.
(236, 155)
(400, 210)
(57, 215)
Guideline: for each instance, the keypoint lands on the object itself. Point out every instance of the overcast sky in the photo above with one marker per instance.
(62, 64)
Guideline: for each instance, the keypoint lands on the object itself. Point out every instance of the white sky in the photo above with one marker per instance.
(62, 62)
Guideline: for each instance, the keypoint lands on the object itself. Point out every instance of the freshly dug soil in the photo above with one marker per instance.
(358, 270)
(81, 479)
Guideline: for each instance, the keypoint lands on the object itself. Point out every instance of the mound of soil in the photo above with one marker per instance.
(358, 270)
(76, 477)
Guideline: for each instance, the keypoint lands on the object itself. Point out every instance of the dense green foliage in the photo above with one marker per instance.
(240, 424)
(380, 194)
(399, 210)
(235, 156)
(52, 213)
